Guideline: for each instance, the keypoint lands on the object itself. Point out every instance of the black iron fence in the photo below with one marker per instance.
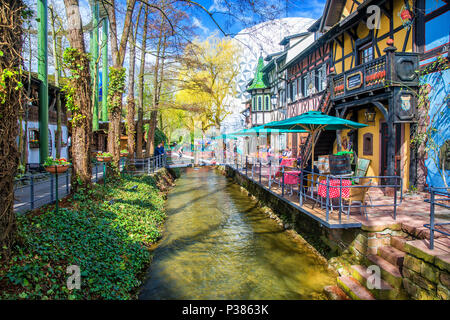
(434, 201)
(145, 165)
(329, 191)
(34, 191)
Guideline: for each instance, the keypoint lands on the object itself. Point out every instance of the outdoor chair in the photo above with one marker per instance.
(362, 166)
(272, 172)
(359, 194)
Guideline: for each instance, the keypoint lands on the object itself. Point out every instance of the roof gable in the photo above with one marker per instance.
(258, 81)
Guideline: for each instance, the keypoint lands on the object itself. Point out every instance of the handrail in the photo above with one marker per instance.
(256, 174)
(433, 202)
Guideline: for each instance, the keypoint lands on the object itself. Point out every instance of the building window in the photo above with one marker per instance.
(50, 143)
(368, 144)
(321, 79)
(267, 103)
(312, 82)
(365, 53)
(294, 89)
(291, 92)
(259, 104)
(254, 104)
(304, 86)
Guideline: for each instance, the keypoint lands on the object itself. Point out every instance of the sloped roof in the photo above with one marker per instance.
(258, 81)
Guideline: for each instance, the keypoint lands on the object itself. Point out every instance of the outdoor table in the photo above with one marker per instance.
(292, 177)
(334, 188)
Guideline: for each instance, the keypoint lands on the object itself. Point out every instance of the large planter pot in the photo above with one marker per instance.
(340, 164)
(124, 154)
(57, 168)
(104, 159)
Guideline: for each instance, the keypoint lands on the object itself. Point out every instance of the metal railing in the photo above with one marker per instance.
(34, 191)
(433, 201)
(306, 185)
(145, 165)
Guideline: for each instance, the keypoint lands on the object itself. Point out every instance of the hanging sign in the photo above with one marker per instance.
(354, 80)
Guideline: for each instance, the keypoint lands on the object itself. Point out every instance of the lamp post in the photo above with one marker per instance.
(43, 77)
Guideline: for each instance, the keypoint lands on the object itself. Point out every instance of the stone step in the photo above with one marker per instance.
(385, 291)
(389, 272)
(335, 293)
(418, 231)
(398, 242)
(392, 255)
(354, 289)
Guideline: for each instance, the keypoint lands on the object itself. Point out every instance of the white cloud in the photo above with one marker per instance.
(217, 6)
(197, 23)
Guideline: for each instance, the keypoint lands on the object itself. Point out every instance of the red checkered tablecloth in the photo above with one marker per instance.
(287, 162)
(334, 188)
(292, 177)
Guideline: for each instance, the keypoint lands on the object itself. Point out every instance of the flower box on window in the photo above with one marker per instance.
(34, 144)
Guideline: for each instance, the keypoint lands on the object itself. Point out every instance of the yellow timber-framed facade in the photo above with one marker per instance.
(374, 80)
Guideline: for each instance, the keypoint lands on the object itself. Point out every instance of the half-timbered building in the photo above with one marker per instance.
(375, 81)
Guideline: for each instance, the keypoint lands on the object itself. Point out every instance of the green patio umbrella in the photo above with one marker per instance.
(225, 136)
(261, 129)
(314, 122)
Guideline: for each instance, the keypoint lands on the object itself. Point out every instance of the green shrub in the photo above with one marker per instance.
(109, 242)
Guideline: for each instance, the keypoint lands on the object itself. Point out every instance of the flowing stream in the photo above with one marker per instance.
(219, 245)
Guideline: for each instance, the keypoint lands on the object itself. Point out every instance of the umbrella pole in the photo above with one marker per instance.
(312, 152)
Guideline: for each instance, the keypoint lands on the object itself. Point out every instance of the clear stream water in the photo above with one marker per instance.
(219, 245)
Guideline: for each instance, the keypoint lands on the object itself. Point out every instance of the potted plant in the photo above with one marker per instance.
(56, 165)
(104, 157)
(124, 153)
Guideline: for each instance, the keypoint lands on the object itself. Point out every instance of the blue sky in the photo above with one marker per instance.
(295, 8)
(290, 8)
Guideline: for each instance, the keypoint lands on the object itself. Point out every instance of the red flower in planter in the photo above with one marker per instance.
(405, 15)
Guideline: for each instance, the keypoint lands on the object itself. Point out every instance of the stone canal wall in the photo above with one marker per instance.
(408, 269)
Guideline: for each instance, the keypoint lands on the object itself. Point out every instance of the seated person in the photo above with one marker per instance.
(289, 153)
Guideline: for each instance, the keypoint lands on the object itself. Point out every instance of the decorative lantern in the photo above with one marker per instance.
(369, 115)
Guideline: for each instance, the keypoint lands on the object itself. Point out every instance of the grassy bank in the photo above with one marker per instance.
(107, 239)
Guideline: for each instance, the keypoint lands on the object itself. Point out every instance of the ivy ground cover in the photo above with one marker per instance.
(107, 240)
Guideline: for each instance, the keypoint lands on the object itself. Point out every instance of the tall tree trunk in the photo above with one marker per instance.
(140, 123)
(156, 87)
(130, 100)
(118, 54)
(150, 147)
(55, 42)
(11, 46)
(82, 128)
(24, 151)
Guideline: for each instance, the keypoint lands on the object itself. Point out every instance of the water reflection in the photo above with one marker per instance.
(218, 245)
